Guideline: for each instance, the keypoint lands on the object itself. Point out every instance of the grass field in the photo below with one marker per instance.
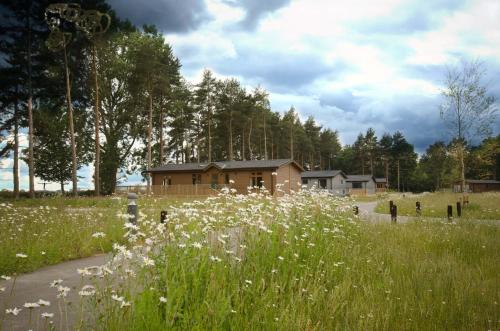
(481, 205)
(53, 230)
(303, 262)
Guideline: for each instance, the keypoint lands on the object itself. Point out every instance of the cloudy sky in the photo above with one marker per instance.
(352, 64)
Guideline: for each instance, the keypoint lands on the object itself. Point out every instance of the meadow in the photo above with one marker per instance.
(300, 262)
(481, 205)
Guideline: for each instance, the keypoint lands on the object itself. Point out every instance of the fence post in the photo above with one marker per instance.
(394, 213)
(459, 209)
(417, 208)
(450, 212)
(391, 204)
(356, 210)
(132, 208)
(163, 216)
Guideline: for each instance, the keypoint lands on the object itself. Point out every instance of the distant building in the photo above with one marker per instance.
(381, 184)
(204, 178)
(478, 185)
(361, 184)
(331, 180)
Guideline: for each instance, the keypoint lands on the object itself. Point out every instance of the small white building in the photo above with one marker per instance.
(332, 180)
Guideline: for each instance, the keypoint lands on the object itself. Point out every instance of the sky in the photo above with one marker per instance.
(352, 64)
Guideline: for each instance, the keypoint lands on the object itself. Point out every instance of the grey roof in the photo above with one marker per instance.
(482, 181)
(225, 165)
(380, 180)
(321, 173)
(359, 178)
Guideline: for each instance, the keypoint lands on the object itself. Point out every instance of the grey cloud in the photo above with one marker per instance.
(344, 100)
(279, 71)
(256, 9)
(167, 15)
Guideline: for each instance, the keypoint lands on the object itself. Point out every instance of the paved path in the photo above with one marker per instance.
(34, 286)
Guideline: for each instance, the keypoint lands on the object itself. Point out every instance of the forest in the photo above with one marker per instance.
(113, 96)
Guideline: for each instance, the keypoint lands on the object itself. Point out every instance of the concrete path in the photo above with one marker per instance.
(36, 285)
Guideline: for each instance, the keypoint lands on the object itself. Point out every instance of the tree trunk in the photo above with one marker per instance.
(150, 129)
(161, 137)
(291, 141)
(62, 187)
(462, 166)
(231, 156)
(15, 168)
(250, 152)
(398, 176)
(71, 124)
(265, 138)
(31, 165)
(371, 165)
(97, 173)
(387, 173)
(209, 133)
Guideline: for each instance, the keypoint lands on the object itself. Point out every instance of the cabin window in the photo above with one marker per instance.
(357, 185)
(341, 181)
(257, 181)
(167, 181)
(196, 179)
(304, 181)
(215, 180)
(322, 182)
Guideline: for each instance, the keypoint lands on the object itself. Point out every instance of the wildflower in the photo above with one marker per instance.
(215, 258)
(99, 235)
(196, 245)
(281, 258)
(43, 252)
(56, 283)
(125, 304)
(5, 277)
(47, 315)
(43, 302)
(63, 291)
(117, 298)
(148, 262)
(84, 272)
(87, 291)
(274, 173)
(249, 282)
(163, 299)
(231, 181)
(13, 311)
(2, 289)
(21, 255)
(31, 305)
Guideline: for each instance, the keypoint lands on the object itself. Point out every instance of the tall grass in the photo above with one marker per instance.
(305, 264)
(481, 205)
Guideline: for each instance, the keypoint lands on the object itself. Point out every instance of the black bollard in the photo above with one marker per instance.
(132, 208)
(459, 209)
(450, 212)
(356, 210)
(417, 208)
(394, 214)
(163, 216)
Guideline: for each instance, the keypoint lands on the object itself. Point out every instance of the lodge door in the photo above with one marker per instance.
(215, 180)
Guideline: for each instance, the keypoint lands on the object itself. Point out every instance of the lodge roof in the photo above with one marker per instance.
(482, 181)
(225, 165)
(359, 178)
(380, 180)
(322, 173)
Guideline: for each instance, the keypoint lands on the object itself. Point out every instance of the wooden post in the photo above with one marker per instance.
(450, 212)
(391, 204)
(394, 213)
(459, 209)
(356, 210)
(132, 208)
(163, 216)
(418, 208)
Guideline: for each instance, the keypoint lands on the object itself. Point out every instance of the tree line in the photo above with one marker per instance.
(116, 99)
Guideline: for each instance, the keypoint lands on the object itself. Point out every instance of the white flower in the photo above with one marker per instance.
(99, 235)
(21, 255)
(163, 299)
(215, 258)
(2, 289)
(47, 315)
(117, 298)
(14, 311)
(31, 305)
(87, 291)
(196, 245)
(249, 282)
(56, 283)
(84, 272)
(63, 291)
(274, 173)
(5, 277)
(281, 258)
(43, 302)
(147, 262)
(231, 181)
(43, 253)
(125, 304)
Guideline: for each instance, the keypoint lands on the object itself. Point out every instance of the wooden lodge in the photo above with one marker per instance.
(282, 175)
(478, 185)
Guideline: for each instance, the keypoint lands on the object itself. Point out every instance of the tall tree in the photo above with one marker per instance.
(467, 108)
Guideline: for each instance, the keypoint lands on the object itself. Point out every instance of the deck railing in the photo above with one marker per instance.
(187, 190)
